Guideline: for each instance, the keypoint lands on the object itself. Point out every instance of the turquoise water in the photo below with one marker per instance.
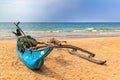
(58, 26)
(37, 29)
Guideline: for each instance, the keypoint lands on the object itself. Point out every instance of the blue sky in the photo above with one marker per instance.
(60, 10)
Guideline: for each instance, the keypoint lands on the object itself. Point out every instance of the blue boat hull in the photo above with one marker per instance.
(34, 59)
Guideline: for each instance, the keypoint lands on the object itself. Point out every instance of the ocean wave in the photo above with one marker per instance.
(5, 34)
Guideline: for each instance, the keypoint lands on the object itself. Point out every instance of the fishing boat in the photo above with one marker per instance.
(34, 59)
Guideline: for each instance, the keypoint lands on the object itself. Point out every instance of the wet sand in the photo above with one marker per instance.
(60, 65)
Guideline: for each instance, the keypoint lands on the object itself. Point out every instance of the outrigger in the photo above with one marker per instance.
(33, 56)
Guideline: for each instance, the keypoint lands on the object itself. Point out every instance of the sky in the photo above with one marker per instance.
(60, 10)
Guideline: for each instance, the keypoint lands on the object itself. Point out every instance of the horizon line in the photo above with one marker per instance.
(60, 22)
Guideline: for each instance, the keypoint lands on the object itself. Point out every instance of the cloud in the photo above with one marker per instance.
(27, 10)
(59, 10)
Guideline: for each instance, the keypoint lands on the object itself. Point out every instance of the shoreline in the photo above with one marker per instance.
(65, 34)
(74, 37)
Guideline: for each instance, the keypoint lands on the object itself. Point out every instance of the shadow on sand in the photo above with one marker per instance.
(49, 73)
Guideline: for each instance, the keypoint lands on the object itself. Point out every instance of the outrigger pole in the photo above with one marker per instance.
(75, 50)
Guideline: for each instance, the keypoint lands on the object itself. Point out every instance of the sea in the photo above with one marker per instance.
(61, 29)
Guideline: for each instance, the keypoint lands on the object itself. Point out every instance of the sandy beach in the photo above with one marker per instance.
(60, 65)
